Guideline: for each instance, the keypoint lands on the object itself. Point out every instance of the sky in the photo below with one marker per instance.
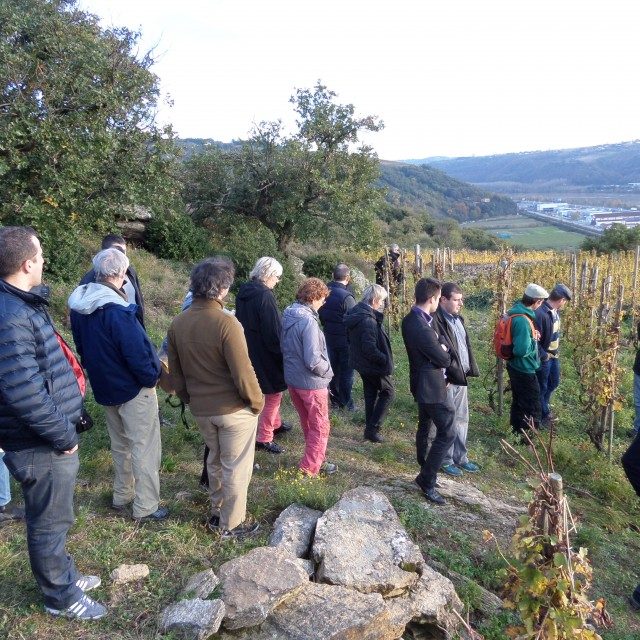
(447, 77)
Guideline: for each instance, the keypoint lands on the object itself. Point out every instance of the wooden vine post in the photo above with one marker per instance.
(634, 298)
(387, 267)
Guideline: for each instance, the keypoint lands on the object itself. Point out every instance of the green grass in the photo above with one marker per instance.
(601, 500)
(530, 233)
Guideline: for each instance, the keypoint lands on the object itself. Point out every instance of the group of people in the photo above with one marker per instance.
(232, 370)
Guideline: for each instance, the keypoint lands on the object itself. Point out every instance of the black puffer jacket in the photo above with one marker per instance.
(40, 401)
(258, 313)
(369, 346)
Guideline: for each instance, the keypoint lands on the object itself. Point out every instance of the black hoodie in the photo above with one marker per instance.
(258, 313)
(369, 346)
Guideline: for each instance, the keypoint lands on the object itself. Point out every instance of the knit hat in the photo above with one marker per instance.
(536, 291)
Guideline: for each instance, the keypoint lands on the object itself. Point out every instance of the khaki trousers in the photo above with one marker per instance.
(231, 442)
(134, 430)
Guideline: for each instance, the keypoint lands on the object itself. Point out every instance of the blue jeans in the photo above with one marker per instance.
(548, 379)
(342, 381)
(48, 479)
(5, 487)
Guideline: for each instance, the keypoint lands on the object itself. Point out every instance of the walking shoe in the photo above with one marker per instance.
(471, 467)
(161, 513)
(86, 583)
(328, 468)
(244, 529)
(373, 436)
(269, 447)
(213, 524)
(451, 470)
(284, 427)
(432, 495)
(84, 609)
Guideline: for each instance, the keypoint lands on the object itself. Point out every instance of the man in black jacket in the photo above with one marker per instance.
(41, 402)
(339, 302)
(370, 355)
(448, 322)
(429, 357)
(132, 283)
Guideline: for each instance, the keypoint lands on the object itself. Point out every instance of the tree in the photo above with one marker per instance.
(314, 184)
(617, 237)
(78, 138)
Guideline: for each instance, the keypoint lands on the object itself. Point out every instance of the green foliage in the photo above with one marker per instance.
(78, 142)
(311, 185)
(176, 237)
(616, 238)
(320, 265)
(428, 189)
(292, 486)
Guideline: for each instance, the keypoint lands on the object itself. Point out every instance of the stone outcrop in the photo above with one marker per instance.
(294, 528)
(255, 584)
(129, 573)
(325, 612)
(193, 619)
(201, 585)
(361, 544)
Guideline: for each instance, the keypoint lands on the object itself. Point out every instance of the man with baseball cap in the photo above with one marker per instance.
(522, 367)
(548, 324)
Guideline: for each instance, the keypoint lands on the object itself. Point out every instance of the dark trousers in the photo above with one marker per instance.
(548, 379)
(342, 381)
(525, 399)
(48, 480)
(443, 417)
(378, 395)
(631, 464)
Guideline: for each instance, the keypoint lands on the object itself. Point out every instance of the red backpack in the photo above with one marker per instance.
(502, 340)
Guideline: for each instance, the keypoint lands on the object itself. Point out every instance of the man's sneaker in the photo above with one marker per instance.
(213, 524)
(84, 609)
(284, 427)
(86, 583)
(471, 467)
(328, 468)
(161, 513)
(269, 447)
(432, 495)
(451, 470)
(244, 529)
(121, 508)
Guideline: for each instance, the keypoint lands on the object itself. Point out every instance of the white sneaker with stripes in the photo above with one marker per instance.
(86, 583)
(83, 609)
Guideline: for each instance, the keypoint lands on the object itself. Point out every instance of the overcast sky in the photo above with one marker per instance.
(448, 77)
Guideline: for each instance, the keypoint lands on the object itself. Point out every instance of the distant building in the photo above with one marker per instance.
(604, 219)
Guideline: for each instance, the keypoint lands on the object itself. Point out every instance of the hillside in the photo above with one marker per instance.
(605, 165)
(425, 188)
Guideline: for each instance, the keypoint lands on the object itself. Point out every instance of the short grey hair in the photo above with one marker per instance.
(374, 292)
(211, 276)
(341, 271)
(110, 263)
(266, 268)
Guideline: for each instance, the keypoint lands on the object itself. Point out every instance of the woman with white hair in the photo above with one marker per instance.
(257, 311)
(370, 355)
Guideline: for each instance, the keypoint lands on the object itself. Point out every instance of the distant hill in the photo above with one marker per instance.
(421, 187)
(604, 165)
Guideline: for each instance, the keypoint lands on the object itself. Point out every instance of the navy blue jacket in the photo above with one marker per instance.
(338, 303)
(427, 358)
(112, 344)
(40, 401)
(257, 312)
(369, 345)
(544, 324)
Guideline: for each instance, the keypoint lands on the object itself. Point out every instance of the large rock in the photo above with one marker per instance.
(360, 543)
(201, 585)
(325, 612)
(429, 606)
(256, 583)
(194, 619)
(293, 529)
